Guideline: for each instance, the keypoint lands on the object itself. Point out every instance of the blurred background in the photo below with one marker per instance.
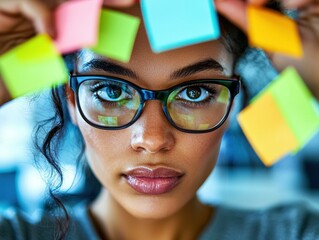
(239, 179)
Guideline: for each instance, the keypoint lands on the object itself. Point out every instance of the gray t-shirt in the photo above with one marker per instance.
(291, 222)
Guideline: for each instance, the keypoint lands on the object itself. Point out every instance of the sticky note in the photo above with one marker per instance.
(297, 108)
(32, 66)
(296, 104)
(267, 130)
(77, 24)
(117, 35)
(174, 24)
(108, 121)
(273, 31)
(185, 120)
(223, 96)
(315, 104)
(203, 126)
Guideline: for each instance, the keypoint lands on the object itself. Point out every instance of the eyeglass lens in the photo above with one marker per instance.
(196, 106)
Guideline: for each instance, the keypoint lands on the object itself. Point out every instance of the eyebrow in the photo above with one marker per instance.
(204, 65)
(110, 67)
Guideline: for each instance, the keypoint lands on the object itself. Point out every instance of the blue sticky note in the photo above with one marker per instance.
(173, 24)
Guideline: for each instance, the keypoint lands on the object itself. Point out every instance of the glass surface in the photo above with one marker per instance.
(194, 106)
(108, 103)
(199, 106)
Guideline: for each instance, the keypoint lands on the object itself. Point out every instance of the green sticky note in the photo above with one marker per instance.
(32, 66)
(117, 35)
(297, 104)
(108, 121)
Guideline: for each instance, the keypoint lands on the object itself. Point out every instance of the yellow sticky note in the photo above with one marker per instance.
(33, 66)
(273, 31)
(203, 126)
(39, 47)
(185, 120)
(267, 130)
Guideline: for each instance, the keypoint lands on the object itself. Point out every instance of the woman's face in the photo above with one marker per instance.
(151, 169)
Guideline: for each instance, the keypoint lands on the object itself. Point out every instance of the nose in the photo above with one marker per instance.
(152, 133)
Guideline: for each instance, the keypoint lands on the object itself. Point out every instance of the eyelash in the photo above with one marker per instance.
(212, 94)
(97, 86)
(94, 88)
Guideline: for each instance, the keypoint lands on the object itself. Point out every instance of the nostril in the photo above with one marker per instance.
(152, 140)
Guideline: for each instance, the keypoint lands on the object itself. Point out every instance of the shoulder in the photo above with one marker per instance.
(289, 221)
(14, 224)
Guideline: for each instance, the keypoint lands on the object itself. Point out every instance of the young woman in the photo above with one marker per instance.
(152, 130)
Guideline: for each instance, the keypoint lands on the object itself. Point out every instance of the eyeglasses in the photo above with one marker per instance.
(196, 106)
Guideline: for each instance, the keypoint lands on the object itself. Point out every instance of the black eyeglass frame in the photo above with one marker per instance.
(233, 84)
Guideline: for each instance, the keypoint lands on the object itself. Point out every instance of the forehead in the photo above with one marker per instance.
(149, 65)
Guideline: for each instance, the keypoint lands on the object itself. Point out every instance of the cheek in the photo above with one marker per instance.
(203, 153)
(206, 146)
(97, 140)
(102, 147)
(95, 147)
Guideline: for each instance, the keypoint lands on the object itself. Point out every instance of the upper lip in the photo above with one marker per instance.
(160, 172)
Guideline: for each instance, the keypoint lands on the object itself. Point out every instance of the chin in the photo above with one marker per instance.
(153, 207)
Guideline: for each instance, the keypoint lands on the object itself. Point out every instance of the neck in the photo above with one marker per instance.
(114, 222)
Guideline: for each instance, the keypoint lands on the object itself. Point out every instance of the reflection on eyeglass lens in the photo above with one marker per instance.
(196, 106)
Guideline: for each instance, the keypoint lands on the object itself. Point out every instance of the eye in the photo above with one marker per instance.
(111, 92)
(194, 94)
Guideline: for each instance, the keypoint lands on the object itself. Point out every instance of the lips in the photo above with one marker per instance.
(153, 181)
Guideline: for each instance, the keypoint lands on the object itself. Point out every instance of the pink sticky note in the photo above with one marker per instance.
(77, 24)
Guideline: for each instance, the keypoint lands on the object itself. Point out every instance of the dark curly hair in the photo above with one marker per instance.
(49, 134)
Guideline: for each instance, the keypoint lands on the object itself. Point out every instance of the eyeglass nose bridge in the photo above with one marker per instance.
(154, 95)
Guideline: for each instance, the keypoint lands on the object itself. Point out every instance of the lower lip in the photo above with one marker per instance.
(152, 186)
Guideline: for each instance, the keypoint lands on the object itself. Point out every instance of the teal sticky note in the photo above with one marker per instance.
(174, 24)
(32, 66)
(297, 104)
(316, 105)
(117, 35)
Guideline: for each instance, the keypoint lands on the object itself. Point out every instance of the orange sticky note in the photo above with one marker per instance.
(267, 130)
(273, 31)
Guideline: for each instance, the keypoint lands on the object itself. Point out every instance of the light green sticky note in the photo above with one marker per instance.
(297, 104)
(108, 121)
(32, 66)
(117, 35)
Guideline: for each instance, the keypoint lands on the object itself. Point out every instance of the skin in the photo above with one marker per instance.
(120, 212)
(21, 19)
